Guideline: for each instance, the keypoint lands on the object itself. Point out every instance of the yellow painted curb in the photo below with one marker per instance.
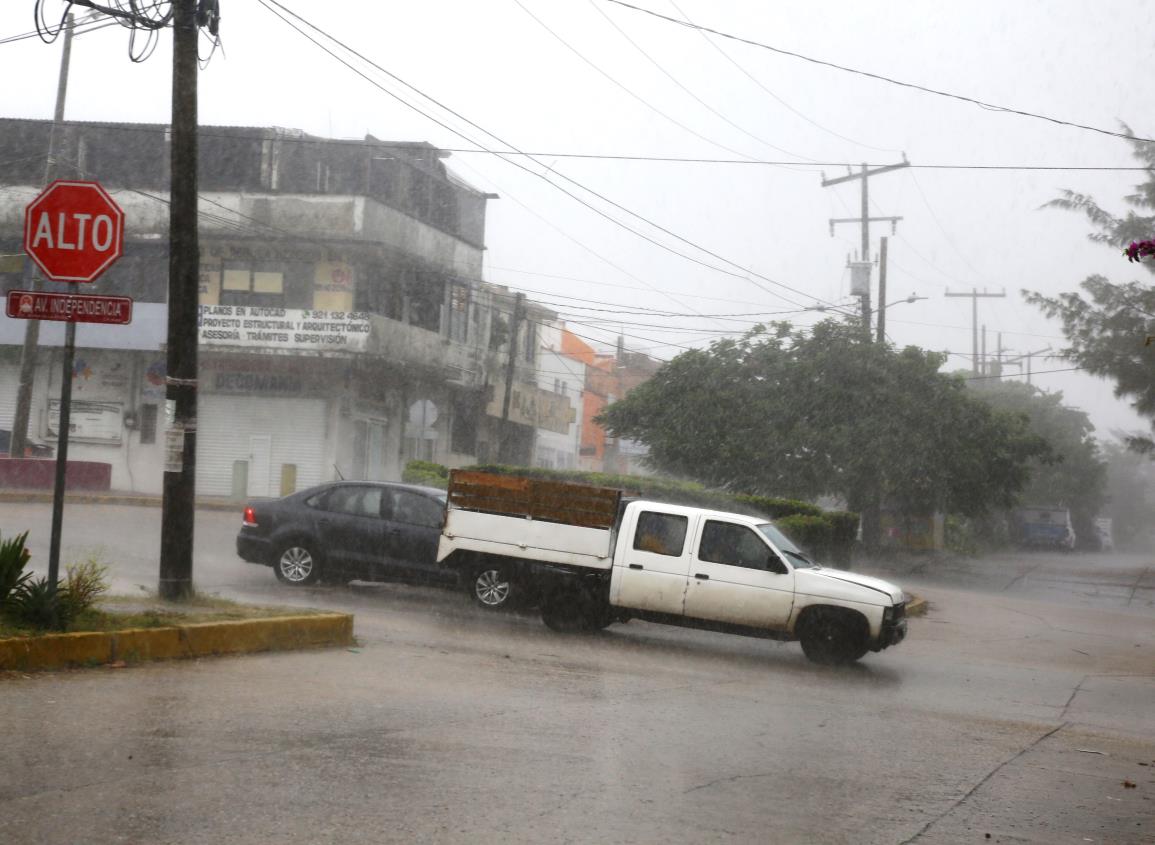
(199, 639)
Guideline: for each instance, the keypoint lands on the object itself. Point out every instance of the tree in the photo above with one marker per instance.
(1110, 326)
(1130, 494)
(1076, 477)
(780, 412)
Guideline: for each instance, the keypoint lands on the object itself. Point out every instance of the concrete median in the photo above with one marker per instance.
(199, 639)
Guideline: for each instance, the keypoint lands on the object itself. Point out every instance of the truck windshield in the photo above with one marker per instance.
(797, 558)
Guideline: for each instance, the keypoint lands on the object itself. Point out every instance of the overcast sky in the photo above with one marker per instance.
(705, 97)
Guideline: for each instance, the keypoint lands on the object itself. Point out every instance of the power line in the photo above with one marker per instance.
(774, 96)
(1018, 375)
(206, 132)
(690, 93)
(746, 274)
(625, 88)
(879, 77)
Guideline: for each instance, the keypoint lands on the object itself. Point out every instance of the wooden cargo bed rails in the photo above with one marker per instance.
(548, 501)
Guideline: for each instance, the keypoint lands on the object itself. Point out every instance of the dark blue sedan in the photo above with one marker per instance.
(364, 530)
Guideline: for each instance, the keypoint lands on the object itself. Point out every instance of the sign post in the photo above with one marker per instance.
(74, 231)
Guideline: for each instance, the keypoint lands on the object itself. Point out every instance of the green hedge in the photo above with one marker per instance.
(778, 508)
(829, 535)
(814, 534)
(426, 474)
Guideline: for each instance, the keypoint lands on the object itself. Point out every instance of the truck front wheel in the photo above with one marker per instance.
(833, 637)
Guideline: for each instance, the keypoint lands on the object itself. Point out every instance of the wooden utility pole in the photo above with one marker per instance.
(178, 505)
(23, 411)
(503, 443)
(974, 297)
(865, 220)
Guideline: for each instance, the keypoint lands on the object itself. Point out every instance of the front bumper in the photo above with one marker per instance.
(893, 627)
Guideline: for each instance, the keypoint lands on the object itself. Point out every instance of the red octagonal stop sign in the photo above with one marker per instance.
(74, 231)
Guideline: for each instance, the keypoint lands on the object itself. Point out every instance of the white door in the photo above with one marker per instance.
(736, 577)
(650, 573)
(260, 465)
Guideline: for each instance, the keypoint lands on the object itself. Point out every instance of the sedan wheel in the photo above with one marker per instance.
(491, 588)
(296, 565)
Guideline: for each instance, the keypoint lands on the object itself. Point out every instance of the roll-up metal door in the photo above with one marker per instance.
(259, 442)
(9, 384)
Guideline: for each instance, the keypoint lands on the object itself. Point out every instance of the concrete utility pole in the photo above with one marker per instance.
(974, 297)
(514, 325)
(179, 502)
(23, 412)
(865, 220)
(882, 290)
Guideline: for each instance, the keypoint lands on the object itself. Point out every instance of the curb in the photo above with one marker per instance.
(100, 498)
(198, 639)
(915, 605)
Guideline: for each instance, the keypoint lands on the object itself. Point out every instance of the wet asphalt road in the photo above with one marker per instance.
(1018, 707)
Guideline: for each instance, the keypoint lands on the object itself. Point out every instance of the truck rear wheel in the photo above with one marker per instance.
(572, 616)
(565, 617)
(832, 637)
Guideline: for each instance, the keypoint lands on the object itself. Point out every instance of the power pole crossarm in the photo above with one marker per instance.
(864, 219)
(975, 296)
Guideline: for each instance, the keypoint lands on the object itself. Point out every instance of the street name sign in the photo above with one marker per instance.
(70, 307)
(74, 231)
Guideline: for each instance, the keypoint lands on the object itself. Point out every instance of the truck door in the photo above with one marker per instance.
(736, 577)
(650, 572)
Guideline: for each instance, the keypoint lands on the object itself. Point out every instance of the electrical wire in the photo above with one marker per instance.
(880, 78)
(690, 93)
(206, 132)
(778, 99)
(745, 274)
(621, 86)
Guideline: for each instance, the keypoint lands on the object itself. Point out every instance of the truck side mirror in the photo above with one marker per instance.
(774, 564)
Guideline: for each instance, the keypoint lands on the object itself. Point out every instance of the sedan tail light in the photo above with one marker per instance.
(250, 518)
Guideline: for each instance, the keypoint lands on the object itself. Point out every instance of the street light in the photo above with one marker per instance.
(912, 298)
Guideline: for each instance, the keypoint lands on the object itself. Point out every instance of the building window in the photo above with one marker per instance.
(252, 284)
(458, 312)
(530, 351)
(148, 416)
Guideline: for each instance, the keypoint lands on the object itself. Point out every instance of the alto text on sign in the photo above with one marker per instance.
(69, 307)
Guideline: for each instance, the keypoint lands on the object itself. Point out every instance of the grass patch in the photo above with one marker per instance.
(115, 613)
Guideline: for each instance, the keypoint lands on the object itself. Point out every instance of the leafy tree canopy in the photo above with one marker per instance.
(781, 412)
(1108, 325)
(1076, 477)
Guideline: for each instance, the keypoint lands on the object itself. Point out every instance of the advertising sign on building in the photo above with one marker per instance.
(283, 328)
(535, 407)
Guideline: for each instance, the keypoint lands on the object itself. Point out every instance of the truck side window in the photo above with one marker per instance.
(660, 533)
(733, 545)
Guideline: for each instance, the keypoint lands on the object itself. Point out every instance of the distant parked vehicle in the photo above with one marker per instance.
(1044, 528)
(361, 530)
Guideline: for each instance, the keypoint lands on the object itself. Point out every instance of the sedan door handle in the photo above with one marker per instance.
(392, 530)
(323, 522)
(636, 566)
(701, 576)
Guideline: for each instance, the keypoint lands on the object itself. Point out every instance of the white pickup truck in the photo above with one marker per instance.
(594, 558)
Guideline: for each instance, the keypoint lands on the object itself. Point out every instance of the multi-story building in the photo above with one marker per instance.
(344, 328)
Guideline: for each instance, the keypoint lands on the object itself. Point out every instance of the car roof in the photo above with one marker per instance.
(433, 492)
